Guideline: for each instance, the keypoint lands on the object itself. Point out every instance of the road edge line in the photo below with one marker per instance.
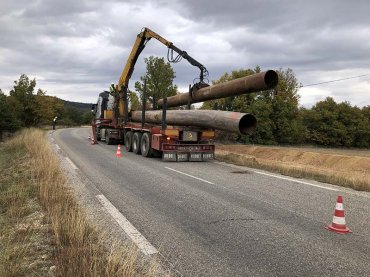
(141, 242)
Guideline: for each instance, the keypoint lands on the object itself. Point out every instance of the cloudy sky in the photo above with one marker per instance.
(75, 49)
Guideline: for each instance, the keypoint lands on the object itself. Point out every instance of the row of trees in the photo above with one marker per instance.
(280, 118)
(25, 107)
(282, 121)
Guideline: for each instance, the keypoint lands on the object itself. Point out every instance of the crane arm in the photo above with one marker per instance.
(142, 38)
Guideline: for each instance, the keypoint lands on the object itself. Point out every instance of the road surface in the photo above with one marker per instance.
(216, 219)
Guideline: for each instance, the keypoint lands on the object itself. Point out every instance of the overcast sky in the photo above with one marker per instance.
(75, 49)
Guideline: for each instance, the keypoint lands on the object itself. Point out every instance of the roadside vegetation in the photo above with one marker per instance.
(281, 121)
(43, 231)
(344, 168)
(26, 107)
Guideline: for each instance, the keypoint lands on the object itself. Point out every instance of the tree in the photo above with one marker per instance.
(287, 120)
(333, 124)
(8, 120)
(134, 100)
(159, 80)
(278, 116)
(71, 116)
(48, 107)
(233, 103)
(87, 117)
(23, 92)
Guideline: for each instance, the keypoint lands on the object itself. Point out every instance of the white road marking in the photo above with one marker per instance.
(71, 163)
(288, 179)
(297, 181)
(200, 179)
(141, 242)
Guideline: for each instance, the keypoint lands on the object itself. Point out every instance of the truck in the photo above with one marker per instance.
(174, 135)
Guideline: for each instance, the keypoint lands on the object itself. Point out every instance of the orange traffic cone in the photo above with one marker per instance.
(118, 154)
(339, 222)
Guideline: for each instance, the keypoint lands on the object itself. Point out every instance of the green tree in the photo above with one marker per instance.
(287, 121)
(159, 80)
(366, 112)
(87, 117)
(48, 107)
(277, 112)
(23, 92)
(233, 103)
(8, 120)
(333, 124)
(71, 116)
(134, 100)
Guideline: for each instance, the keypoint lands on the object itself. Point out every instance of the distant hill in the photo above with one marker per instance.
(79, 106)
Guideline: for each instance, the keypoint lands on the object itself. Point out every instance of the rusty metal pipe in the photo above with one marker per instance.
(252, 83)
(227, 121)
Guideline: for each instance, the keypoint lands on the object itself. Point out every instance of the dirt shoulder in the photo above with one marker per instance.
(350, 168)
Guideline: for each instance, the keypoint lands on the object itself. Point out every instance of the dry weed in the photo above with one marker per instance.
(79, 248)
(348, 171)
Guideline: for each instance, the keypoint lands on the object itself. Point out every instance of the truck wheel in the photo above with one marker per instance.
(146, 145)
(108, 139)
(128, 141)
(136, 139)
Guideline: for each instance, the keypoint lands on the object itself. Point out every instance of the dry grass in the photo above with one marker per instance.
(78, 248)
(25, 237)
(339, 169)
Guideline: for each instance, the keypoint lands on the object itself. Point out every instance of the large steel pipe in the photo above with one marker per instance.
(252, 83)
(228, 121)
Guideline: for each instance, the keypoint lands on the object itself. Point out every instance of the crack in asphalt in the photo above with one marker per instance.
(233, 219)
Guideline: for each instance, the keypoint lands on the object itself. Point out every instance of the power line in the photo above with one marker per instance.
(336, 80)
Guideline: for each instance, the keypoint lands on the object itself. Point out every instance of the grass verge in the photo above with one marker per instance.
(43, 229)
(347, 171)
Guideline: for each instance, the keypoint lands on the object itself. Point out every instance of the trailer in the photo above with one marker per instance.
(175, 135)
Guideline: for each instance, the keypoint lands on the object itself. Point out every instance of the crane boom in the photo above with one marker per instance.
(142, 38)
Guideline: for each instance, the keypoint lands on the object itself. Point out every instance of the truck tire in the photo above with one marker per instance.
(146, 145)
(128, 141)
(108, 139)
(136, 142)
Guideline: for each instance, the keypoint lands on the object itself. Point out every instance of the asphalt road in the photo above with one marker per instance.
(215, 219)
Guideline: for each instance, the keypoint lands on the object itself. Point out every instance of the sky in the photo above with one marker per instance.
(76, 49)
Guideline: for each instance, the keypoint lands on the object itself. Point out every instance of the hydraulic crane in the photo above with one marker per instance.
(120, 103)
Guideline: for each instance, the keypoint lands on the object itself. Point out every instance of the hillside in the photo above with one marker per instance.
(83, 107)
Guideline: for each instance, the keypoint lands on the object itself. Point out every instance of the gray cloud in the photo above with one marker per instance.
(77, 48)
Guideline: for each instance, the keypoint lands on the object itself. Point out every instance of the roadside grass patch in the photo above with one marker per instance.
(43, 231)
(25, 238)
(338, 169)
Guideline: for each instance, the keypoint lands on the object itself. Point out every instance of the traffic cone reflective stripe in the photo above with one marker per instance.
(118, 154)
(339, 222)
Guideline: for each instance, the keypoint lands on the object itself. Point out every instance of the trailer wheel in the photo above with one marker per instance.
(146, 145)
(136, 140)
(128, 141)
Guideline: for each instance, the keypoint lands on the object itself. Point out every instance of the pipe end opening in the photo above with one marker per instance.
(247, 124)
(271, 78)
